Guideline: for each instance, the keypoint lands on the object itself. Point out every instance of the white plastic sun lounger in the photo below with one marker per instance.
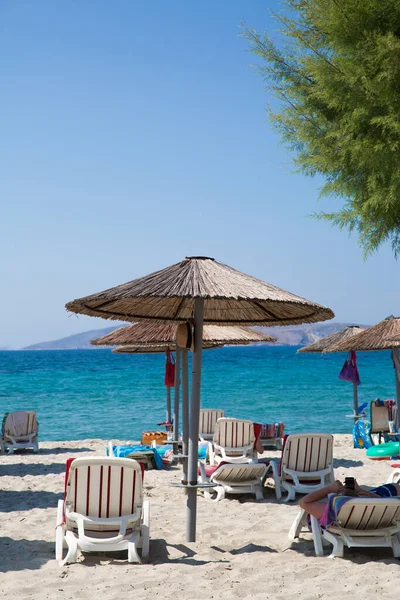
(233, 442)
(20, 430)
(208, 420)
(306, 464)
(363, 522)
(234, 479)
(103, 510)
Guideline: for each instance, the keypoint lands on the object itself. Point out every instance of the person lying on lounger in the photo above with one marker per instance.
(315, 503)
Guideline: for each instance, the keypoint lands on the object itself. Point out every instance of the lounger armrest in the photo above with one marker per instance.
(309, 474)
(21, 438)
(122, 522)
(211, 453)
(203, 475)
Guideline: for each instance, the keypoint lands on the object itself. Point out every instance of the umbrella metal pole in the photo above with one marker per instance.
(191, 499)
(355, 400)
(168, 411)
(176, 397)
(185, 412)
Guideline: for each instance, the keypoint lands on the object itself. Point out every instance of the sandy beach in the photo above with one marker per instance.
(243, 550)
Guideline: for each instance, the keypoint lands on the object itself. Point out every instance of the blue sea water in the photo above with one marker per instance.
(80, 394)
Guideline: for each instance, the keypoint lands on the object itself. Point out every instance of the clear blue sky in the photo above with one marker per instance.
(133, 134)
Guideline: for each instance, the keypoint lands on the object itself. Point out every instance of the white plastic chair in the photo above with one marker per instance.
(306, 464)
(208, 420)
(103, 510)
(20, 430)
(233, 442)
(363, 523)
(234, 479)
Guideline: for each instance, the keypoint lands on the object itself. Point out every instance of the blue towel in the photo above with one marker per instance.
(123, 451)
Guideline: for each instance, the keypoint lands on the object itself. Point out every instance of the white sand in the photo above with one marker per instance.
(242, 550)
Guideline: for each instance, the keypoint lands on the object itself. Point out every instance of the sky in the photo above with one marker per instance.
(134, 134)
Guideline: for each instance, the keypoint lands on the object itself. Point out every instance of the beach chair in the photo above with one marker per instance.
(362, 523)
(380, 421)
(19, 430)
(271, 435)
(306, 464)
(233, 479)
(208, 419)
(103, 509)
(233, 442)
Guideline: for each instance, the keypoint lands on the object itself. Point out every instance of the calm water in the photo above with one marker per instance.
(82, 394)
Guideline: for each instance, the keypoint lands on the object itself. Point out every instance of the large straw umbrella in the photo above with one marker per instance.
(328, 341)
(200, 289)
(385, 335)
(153, 333)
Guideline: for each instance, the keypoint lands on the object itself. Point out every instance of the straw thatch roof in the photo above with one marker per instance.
(150, 332)
(379, 337)
(230, 297)
(152, 349)
(335, 338)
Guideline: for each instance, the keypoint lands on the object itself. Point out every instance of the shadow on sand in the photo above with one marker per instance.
(22, 469)
(344, 462)
(22, 555)
(12, 500)
(159, 554)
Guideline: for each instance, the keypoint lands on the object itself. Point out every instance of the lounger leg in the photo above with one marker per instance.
(338, 546)
(60, 533)
(396, 545)
(317, 537)
(290, 490)
(298, 524)
(72, 553)
(146, 531)
(220, 493)
(258, 490)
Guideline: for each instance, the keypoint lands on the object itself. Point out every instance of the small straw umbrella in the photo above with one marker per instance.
(327, 342)
(385, 335)
(155, 334)
(200, 289)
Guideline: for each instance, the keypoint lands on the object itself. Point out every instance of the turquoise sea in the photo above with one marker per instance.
(82, 394)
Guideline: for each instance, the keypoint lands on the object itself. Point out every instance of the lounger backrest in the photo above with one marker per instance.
(379, 418)
(369, 513)
(234, 433)
(238, 473)
(208, 419)
(308, 452)
(20, 423)
(104, 487)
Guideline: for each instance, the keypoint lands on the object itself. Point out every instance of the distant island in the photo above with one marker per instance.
(296, 335)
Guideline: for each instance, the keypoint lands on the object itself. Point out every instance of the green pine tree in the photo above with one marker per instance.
(336, 72)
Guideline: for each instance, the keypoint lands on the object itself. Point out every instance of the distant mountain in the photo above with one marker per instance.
(79, 341)
(296, 335)
(302, 335)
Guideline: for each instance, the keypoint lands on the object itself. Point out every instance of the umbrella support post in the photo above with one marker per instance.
(191, 499)
(168, 412)
(176, 397)
(185, 411)
(397, 376)
(355, 399)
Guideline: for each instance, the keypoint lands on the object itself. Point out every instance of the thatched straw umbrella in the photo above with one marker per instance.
(200, 289)
(385, 335)
(150, 333)
(327, 342)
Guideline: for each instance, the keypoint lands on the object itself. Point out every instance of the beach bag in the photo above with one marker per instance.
(362, 434)
(184, 336)
(169, 379)
(349, 370)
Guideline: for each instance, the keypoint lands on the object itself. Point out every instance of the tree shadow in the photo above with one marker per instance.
(159, 554)
(344, 462)
(12, 500)
(20, 555)
(22, 469)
